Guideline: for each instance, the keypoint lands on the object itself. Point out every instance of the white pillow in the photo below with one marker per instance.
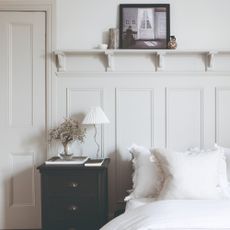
(191, 175)
(147, 175)
(225, 167)
(227, 156)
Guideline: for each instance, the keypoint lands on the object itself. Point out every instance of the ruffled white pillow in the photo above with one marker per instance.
(147, 176)
(224, 170)
(192, 175)
(227, 156)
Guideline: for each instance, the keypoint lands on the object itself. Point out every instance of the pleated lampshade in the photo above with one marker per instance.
(95, 116)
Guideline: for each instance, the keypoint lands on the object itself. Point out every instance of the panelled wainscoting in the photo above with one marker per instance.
(175, 99)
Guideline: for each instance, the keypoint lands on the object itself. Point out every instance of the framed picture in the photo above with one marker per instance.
(144, 26)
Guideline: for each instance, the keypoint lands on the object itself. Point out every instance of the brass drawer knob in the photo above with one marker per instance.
(73, 184)
(73, 208)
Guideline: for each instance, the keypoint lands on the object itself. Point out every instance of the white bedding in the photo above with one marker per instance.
(135, 203)
(175, 214)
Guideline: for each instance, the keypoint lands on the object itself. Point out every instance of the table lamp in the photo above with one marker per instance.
(95, 117)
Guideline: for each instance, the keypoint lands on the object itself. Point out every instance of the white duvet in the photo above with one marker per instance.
(175, 214)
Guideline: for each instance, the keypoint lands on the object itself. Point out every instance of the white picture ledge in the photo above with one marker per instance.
(162, 60)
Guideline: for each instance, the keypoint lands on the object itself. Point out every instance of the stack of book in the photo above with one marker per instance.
(75, 161)
(94, 162)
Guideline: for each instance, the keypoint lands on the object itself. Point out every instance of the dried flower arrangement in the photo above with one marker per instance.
(67, 132)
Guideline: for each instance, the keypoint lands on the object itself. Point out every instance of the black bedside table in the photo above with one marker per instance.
(74, 197)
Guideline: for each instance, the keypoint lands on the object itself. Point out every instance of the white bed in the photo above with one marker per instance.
(177, 190)
(135, 203)
(173, 214)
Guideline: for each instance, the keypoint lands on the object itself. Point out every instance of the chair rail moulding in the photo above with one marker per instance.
(161, 60)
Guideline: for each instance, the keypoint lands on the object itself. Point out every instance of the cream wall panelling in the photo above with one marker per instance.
(152, 60)
(184, 118)
(222, 97)
(164, 98)
(175, 111)
(134, 121)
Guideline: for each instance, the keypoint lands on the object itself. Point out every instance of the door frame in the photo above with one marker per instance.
(48, 7)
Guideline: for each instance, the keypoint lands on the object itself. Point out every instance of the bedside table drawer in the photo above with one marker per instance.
(71, 208)
(82, 183)
(74, 197)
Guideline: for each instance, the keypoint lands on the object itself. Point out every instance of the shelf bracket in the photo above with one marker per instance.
(160, 60)
(210, 60)
(110, 62)
(61, 62)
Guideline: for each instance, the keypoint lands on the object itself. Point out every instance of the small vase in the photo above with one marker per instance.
(113, 38)
(172, 44)
(66, 154)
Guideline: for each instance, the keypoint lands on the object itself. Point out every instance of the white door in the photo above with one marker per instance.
(22, 117)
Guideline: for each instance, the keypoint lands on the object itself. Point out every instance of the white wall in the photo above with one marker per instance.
(197, 24)
(183, 105)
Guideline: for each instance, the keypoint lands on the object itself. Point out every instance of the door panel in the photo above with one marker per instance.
(22, 117)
